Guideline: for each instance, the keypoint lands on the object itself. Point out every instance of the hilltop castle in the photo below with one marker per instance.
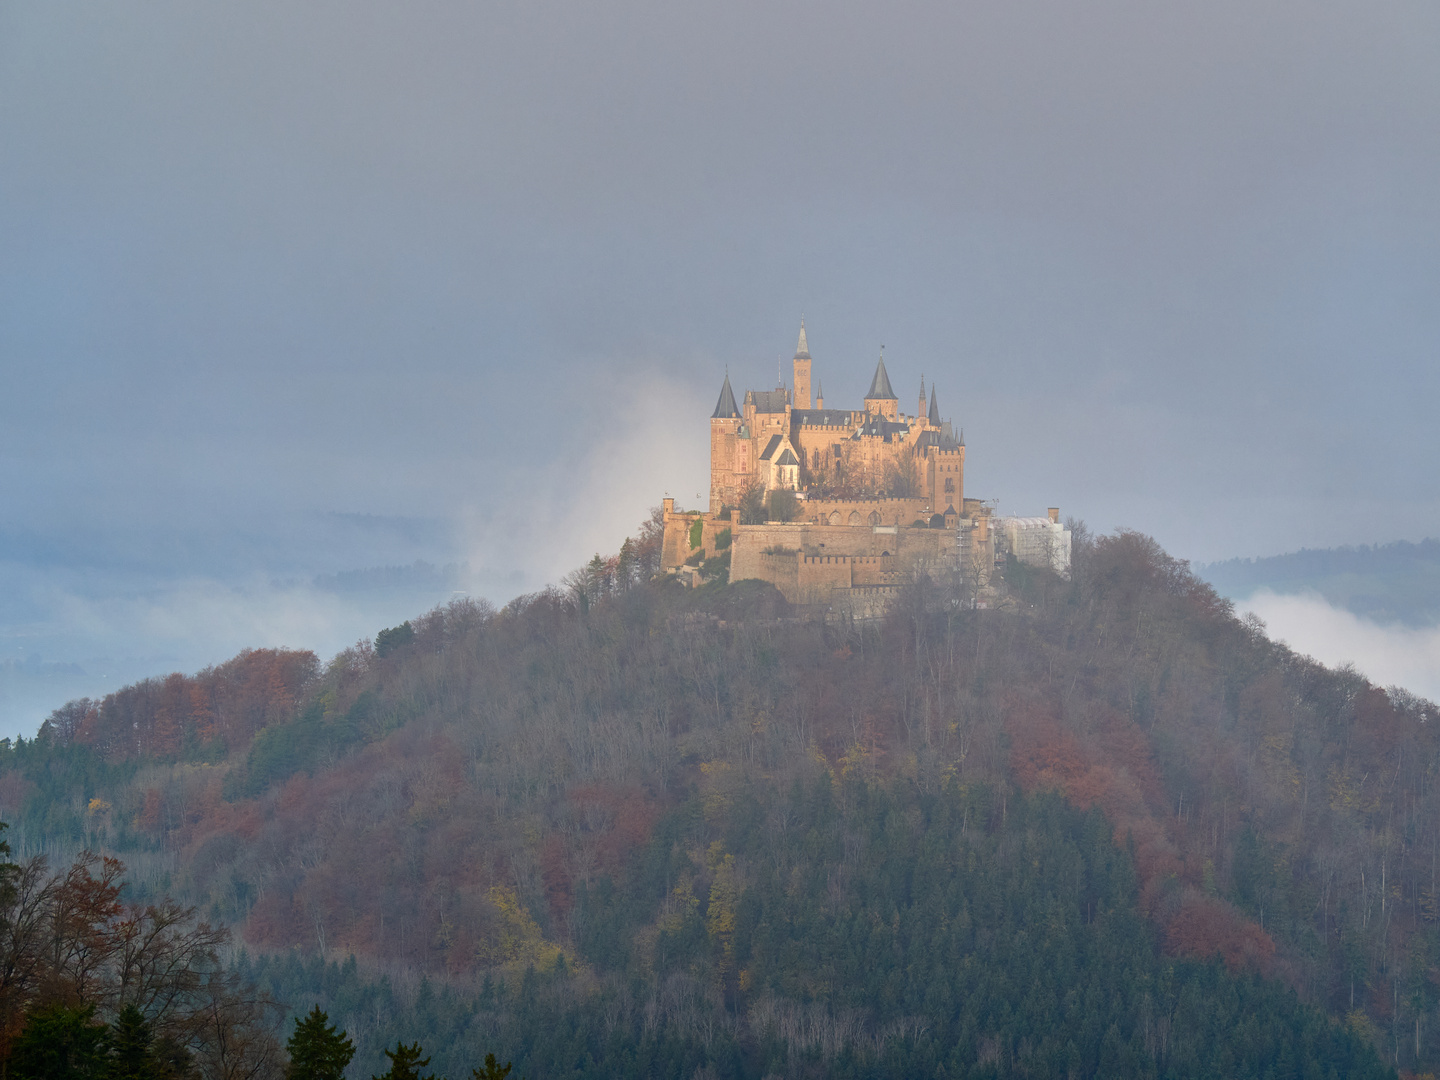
(776, 440)
(837, 504)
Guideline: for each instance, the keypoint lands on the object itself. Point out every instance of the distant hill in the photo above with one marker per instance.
(1388, 583)
(630, 829)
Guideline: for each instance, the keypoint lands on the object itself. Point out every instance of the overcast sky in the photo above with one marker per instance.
(289, 288)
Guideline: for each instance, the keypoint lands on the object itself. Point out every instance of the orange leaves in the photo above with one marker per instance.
(160, 717)
(149, 818)
(1114, 771)
(1205, 925)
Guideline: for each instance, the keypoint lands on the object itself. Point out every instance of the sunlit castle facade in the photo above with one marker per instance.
(779, 439)
(839, 508)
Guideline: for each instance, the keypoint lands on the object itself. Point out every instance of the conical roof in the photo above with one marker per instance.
(934, 408)
(802, 349)
(725, 408)
(880, 385)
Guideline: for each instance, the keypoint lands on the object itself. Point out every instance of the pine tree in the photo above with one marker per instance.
(318, 1051)
(130, 1047)
(60, 1042)
(491, 1070)
(405, 1063)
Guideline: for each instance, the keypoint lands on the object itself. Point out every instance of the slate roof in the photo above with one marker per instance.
(802, 349)
(880, 385)
(886, 429)
(944, 439)
(788, 458)
(771, 447)
(725, 408)
(769, 401)
(934, 408)
(826, 417)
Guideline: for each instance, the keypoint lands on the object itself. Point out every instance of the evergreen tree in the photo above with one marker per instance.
(405, 1063)
(131, 1056)
(60, 1043)
(318, 1051)
(491, 1070)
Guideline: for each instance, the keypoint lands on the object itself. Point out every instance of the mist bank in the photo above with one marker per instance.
(66, 635)
(1388, 655)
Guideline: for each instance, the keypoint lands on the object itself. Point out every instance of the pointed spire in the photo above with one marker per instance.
(802, 349)
(880, 385)
(934, 409)
(725, 408)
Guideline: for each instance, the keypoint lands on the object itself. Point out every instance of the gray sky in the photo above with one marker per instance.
(475, 271)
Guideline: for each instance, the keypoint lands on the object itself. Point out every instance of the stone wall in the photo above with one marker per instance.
(818, 559)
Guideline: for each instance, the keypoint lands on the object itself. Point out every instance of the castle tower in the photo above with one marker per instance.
(921, 410)
(934, 408)
(801, 399)
(724, 428)
(881, 399)
(819, 395)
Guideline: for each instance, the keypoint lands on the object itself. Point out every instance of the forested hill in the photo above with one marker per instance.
(1396, 582)
(632, 830)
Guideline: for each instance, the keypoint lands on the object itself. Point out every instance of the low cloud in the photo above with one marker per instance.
(1386, 655)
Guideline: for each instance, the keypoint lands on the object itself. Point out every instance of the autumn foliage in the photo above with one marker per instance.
(448, 806)
(163, 718)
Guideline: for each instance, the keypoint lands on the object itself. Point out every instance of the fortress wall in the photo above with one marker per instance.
(891, 511)
(820, 574)
(675, 548)
(828, 557)
(749, 540)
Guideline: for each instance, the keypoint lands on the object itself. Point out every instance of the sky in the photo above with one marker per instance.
(293, 290)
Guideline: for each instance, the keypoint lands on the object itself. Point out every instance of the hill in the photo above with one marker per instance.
(630, 829)
(1389, 583)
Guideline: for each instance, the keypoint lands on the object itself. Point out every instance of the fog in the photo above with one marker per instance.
(271, 273)
(1388, 655)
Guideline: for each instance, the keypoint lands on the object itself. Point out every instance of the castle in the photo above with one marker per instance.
(840, 507)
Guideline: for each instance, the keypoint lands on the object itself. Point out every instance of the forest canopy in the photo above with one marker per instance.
(694, 830)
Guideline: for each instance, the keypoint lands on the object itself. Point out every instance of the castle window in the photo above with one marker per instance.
(949, 484)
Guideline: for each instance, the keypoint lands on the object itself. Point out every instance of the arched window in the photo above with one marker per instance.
(854, 517)
(874, 517)
(834, 517)
(949, 485)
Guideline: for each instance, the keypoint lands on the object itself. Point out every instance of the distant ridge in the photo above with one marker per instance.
(1397, 582)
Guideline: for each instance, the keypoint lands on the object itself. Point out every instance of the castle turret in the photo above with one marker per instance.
(802, 371)
(724, 452)
(819, 395)
(881, 398)
(921, 410)
(934, 407)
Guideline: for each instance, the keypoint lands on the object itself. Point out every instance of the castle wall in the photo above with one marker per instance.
(819, 559)
(897, 512)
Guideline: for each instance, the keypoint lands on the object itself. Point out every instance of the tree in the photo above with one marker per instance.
(752, 505)
(318, 1051)
(397, 637)
(60, 1042)
(131, 1046)
(783, 505)
(491, 1070)
(405, 1063)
